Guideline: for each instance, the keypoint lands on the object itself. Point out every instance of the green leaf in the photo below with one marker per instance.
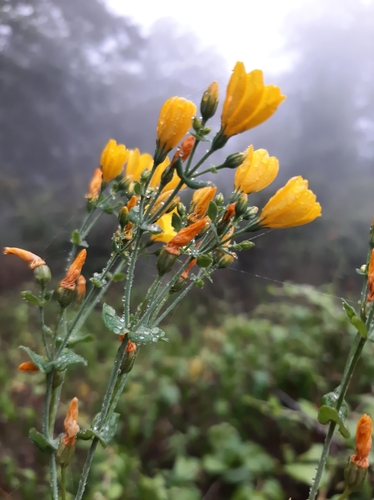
(134, 215)
(137, 188)
(43, 365)
(108, 430)
(85, 434)
(360, 326)
(42, 442)
(355, 320)
(76, 237)
(212, 211)
(361, 273)
(30, 297)
(79, 339)
(186, 468)
(111, 320)
(47, 330)
(204, 260)
(48, 295)
(67, 358)
(151, 228)
(118, 277)
(328, 414)
(176, 222)
(145, 335)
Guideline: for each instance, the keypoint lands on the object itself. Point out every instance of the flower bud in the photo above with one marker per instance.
(196, 124)
(42, 275)
(209, 101)
(220, 199)
(354, 475)
(145, 175)
(244, 245)
(167, 175)
(241, 205)
(123, 217)
(181, 209)
(65, 454)
(64, 296)
(234, 160)
(224, 259)
(165, 262)
(250, 212)
(28, 366)
(178, 285)
(129, 359)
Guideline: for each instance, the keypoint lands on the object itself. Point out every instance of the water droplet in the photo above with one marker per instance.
(141, 337)
(154, 339)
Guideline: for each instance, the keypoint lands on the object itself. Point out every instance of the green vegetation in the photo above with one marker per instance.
(223, 411)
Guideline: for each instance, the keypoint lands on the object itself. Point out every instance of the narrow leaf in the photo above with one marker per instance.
(113, 322)
(43, 365)
(30, 297)
(42, 442)
(67, 358)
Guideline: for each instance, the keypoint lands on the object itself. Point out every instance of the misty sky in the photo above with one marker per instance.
(253, 35)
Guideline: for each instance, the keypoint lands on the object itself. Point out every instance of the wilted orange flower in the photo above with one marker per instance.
(186, 148)
(95, 185)
(131, 203)
(229, 213)
(174, 122)
(185, 273)
(113, 159)
(28, 366)
(131, 346)
(81, 288)
(71, 423)
(248, 101)
(200, 202)
(74, 271)
(184, 236)
(33, 260)
(370, 297)
(363, 441)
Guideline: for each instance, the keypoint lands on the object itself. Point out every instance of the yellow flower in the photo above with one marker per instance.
(168, 232)
(256, 172)
(161, 200)
(156, 178)
(137, 163)
(248, 101)
(292, 205)
(113, 159)
(174, 122)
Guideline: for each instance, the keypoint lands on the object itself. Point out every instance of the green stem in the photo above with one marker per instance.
(42, 323)
(103, 415)
(53, 477)
(352, 360)
(63, 483)
(130, 278)
(151, 290)
(175, 302)
(345, 494)
(86, 304)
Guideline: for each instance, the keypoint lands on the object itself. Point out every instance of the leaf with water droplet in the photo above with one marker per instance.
(42, 442)
(30, 297)
(67, 358)
(111, 320)
(145, 335)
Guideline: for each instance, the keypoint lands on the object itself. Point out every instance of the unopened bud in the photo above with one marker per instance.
(124, 184)
(220, 199)
(250, 212)
(178, 285)
(64, 296)
(129, 359)
(196, 124)
(244, 245)
(65, 454)
(354, 475)
(209, 101)
(224, 260)
(165, 262)
(241, 205)
(181, 209)
(234, 160)
(167, 175)
(123, 217)
(144, 176)
(42, 275)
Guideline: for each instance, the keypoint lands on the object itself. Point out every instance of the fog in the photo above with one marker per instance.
(73, 75)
